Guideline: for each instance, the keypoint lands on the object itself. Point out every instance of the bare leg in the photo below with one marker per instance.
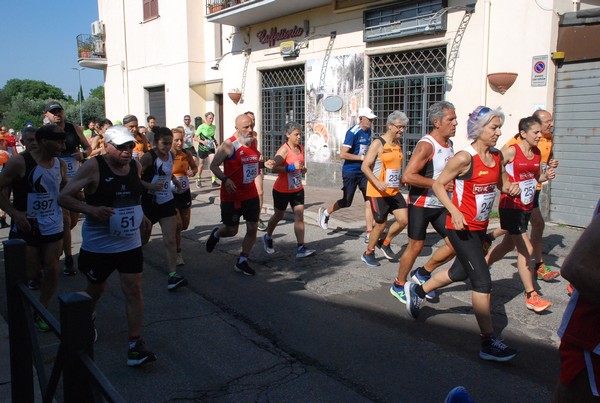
(249, 238)
(481, 306)
(299, 223)
(168, 226)
(131, 284)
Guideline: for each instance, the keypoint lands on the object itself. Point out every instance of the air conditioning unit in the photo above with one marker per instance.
(289, 49)
(99, 48)
(97, 28)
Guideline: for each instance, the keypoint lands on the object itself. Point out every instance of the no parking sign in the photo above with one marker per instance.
(539, 70)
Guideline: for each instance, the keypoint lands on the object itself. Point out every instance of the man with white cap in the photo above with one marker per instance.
(356, 143)
(111, 230)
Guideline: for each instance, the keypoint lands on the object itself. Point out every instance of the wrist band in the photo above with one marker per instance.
(290, 168)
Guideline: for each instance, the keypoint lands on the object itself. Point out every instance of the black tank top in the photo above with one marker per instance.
(23, 185)
(72, 141)
(116, 190)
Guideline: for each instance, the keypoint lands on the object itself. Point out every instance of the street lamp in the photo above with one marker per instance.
(80, 94)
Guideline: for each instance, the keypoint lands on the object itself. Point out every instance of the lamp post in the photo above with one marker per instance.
(79, 94)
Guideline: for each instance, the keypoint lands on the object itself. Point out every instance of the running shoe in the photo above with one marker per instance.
(261, 225)
(366, 236)
(536, 303)
(413, 301)
(268, 244)
(215, 184)
(458, 395)
(303, 251)
(179, 261)
(138, 354)
(493, 349)
(386, 249)
(176, 281)
(69, 266)
(40, 323)
(418, 279)
(198, 182)
(569, 289)
(370, 259)
(323, 219)
(244, 268)
(212, 240)
(546, 273)
(398, 292)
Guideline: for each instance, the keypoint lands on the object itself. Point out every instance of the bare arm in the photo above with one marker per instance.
(504, 183)
(222, 153)
(84, 144)
(13, 170)
(347, 156)
(456, 166)
(367, 165)
(279, 160)
(420, 157)
(192, 163)
(581, 265)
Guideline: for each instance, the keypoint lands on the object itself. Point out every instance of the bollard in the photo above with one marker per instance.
(77, 334)
(21, 360)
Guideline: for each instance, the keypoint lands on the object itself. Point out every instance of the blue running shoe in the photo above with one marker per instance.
(418, 279)
(398, 292)
(369, 259)
(458, 395)
(413, 301)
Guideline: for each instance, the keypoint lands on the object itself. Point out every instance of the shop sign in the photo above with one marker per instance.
(274, 35)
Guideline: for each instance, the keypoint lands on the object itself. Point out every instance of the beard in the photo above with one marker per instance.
(246, 140)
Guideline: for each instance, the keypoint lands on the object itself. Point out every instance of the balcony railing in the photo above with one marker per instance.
(91, 51)
(214, 6)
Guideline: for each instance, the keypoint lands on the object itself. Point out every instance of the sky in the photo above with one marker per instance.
(39, 42)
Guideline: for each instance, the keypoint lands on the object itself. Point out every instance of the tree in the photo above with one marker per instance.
(97, 92)
(22, 110)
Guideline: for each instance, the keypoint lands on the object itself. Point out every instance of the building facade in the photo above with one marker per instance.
(317, 61)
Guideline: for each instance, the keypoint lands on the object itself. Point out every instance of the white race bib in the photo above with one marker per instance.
(362, 149)
(136, 155)
(527, 191)
(125, 221)
(250, 172)
(392, 178)
(185, 184)
(484, 202)
(294, 180)
(164, 194)
(210, 144)
(72, 166)
(40, 205)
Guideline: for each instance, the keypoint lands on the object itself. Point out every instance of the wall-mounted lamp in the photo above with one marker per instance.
(246, 53)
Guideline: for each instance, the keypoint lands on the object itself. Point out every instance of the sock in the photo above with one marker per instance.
(214, 178)
(370, 251)
(419, 291)
(422, 272)
(242, 258)
(398, 283)
(528, 294)
(326, 213)
(386, 242)
(172, 273)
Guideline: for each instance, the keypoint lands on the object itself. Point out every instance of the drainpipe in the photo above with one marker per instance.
(125, 64)
(486, 49)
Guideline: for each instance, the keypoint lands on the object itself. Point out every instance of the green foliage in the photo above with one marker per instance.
(32, 89)
(22, 110)
(97, 92)
(92, 108)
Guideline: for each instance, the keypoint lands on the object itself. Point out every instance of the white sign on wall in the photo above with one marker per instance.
(539, 71)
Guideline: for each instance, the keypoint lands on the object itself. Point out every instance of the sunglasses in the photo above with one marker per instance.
(124, 147)
(483, 111)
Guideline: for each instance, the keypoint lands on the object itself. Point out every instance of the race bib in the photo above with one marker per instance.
(136, 155)
(484, 202)
(40, 205)
(392, 178)
(544, 167)
(72, 166)
(164, 194)
(185, 184)
(527, 191)
(294, 180)
(210, 144)
(250, 172)
(125, 221)
(362, 149)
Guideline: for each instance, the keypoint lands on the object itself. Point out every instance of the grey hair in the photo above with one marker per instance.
(477, 122)
(207, 114)
(291, 126)
(436, 111)
(397, 115)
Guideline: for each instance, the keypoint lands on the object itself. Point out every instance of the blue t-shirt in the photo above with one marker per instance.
(358, 140)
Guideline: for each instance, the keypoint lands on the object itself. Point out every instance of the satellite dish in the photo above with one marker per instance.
(333, 103)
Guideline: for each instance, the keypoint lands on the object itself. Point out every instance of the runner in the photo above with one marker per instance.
(523, 166)
(184, 167)
(35, 178)
(207, 144)
(381, 166)
(239, 197)
(260, 178)
(110, 233)
(158, 201)
(142, 146)
(288, 189)
(189, 134)
(427, 162)
(356, 143)
(476, 172)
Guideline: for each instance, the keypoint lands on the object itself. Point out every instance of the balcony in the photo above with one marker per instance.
(242, 13)
(91, 52)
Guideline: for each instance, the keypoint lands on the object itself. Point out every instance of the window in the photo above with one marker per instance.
(403, 19)
(150, 9)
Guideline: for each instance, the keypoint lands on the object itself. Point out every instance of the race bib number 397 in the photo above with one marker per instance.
(40, 205)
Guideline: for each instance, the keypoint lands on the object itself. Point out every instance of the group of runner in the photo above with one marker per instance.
(455, 193)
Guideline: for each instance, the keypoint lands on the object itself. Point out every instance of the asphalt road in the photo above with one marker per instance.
(324, 328)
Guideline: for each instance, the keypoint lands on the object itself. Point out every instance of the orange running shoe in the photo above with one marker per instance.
(536, 303)
(545, 273)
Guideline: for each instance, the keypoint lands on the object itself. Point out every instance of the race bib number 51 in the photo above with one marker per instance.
(125, 221)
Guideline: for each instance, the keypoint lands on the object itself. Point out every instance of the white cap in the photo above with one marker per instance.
(366, 112)
(118, 135)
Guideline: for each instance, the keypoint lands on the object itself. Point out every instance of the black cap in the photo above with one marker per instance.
(52, 105)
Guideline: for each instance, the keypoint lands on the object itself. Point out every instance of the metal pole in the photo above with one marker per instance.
(79, 94)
